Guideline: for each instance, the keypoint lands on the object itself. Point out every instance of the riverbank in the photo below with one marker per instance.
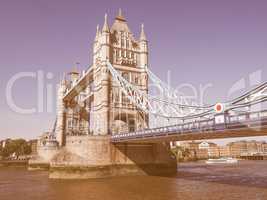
(13, 163)
(248, 157)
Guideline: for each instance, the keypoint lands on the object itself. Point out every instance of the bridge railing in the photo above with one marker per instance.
(244, 120)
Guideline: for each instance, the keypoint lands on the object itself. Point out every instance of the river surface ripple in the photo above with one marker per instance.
(196, 181)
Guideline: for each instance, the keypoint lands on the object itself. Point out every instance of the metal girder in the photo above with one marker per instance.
(79, 86)
(154, 105)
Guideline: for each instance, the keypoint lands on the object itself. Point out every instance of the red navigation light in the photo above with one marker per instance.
(218, 108)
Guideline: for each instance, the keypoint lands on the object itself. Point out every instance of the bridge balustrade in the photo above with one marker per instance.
(263, 114)
(242, 118)
(232, 122)
(254, 115)
(233, 118)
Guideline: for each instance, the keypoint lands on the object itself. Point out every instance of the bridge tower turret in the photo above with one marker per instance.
(105, 41)
(143, 48)
(96, 45)
(74, 74)
(112, 110)
(143, 43)
(61, 112)
(101, 77)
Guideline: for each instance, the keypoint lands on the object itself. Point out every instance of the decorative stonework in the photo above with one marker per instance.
(89, 113)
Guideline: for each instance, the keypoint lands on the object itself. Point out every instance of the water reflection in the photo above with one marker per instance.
(247, 180)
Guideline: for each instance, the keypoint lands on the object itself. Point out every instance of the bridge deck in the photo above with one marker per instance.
(195, 131)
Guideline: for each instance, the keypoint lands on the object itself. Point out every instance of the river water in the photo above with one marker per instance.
(196, 181)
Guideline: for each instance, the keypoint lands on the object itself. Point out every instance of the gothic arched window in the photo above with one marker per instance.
(127, 44)
(122, 39)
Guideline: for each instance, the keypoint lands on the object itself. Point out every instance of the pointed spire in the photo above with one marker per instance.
(97, 32)
(63, 79)
(142, 34)
(120, 16)
(64, 76)
(105, 26)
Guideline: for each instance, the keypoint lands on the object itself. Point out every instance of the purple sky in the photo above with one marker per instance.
(200, 42)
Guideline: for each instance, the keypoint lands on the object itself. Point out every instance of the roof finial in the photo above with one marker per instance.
(142, 35)
(97, 32)
(106, 17)
(120, 16)
(64, 76)
(105, 26)
(64, 79)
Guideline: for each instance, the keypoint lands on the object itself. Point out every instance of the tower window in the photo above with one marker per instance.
(69, 123)
(136, 80)
(122, 42)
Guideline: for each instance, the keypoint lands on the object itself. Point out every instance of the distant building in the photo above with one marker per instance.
(237, 148)
(243, 148)
(224, 151)
(204, 149)
(201, 150)
(211, 148)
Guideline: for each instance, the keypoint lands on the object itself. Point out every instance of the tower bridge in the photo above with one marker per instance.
(108, 123)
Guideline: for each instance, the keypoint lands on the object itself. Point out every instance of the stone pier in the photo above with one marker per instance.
(47, 148)
(86, 157)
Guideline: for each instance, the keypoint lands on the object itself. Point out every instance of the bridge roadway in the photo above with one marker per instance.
(242, 125)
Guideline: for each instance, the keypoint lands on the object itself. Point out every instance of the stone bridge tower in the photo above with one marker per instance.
(91, 106)
(112, 111)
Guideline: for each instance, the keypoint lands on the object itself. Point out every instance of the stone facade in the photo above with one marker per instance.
(89, 113)
(112, 112)
(108, 111)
